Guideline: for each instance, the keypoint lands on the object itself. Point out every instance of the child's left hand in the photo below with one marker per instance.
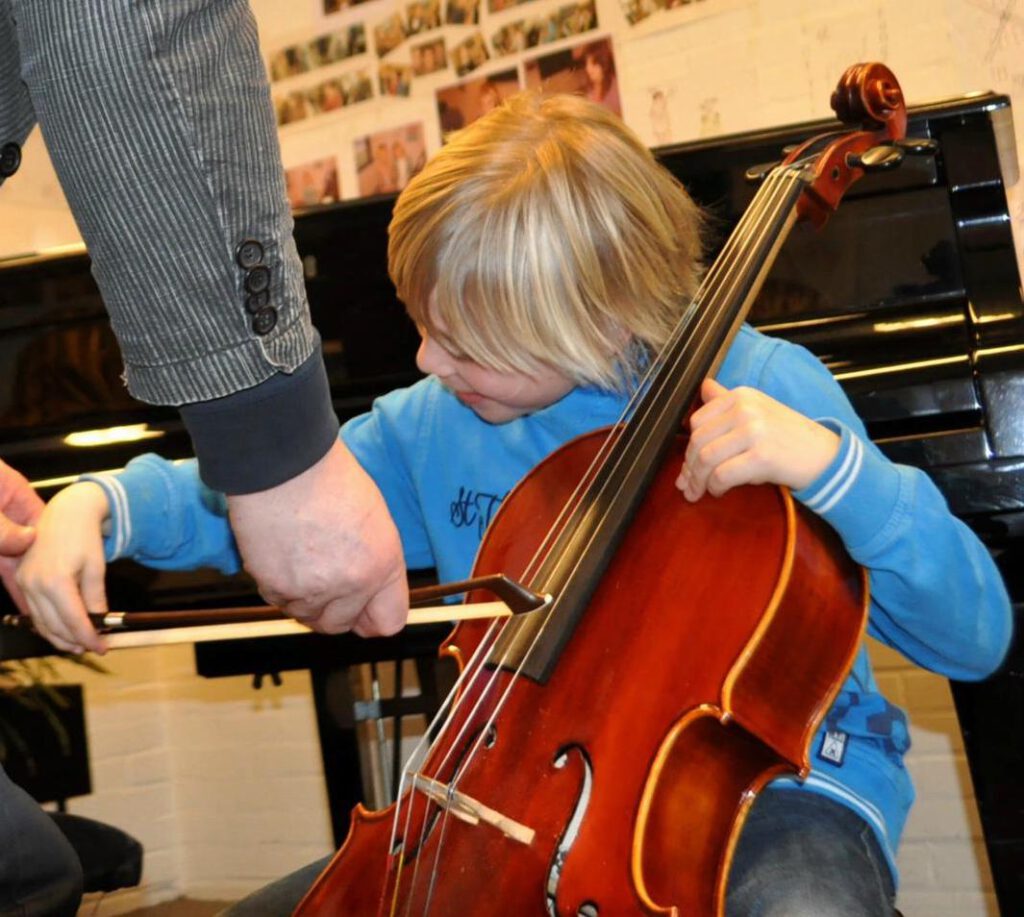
(743, 436)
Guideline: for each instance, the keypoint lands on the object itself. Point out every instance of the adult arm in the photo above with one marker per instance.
(160, 126)
(20, 507)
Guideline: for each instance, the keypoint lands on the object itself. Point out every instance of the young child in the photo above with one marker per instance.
(545, 256)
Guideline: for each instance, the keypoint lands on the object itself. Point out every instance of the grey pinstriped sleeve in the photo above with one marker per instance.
(158, 118)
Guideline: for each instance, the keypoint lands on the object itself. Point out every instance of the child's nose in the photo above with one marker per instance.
(432, 358)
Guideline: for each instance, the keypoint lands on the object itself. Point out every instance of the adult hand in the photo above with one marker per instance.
(743, 436)
(324, 548)
(20, 507)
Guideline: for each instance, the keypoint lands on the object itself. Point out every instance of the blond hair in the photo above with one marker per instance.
(547, 234)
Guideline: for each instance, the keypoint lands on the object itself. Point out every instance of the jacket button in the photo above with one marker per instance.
(264, 320)
(10, 159)
(258, 279)
(248, 254)
(256, 301)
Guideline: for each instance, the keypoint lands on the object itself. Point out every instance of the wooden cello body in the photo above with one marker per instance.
(685, 688)
(604, 749)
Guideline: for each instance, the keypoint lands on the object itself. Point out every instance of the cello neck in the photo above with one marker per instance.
(579, 551)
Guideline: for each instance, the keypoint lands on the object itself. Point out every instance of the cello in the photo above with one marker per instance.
(601, 750)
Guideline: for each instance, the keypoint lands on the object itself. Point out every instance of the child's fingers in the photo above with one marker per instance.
(48, 623)
(59, 614)
(703, 462)
(715, 402)
(66, 598)
(742, 468)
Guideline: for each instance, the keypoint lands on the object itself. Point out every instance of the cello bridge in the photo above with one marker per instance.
(471, 810)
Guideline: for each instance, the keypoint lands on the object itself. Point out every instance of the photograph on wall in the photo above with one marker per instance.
(496, 6)
(335, 6)
(564, 22)
(469, 54)
(587, 69)
(291, 107)
(318, 52)
(313, 183)
(289, 61)
(429, 57)
(329, 95)
(356, 86)
(389, 34)
(422, 15)
(462, 12)
(395, 79)
(460, 105)
(336, 46)
(386, 160)
(665, 14)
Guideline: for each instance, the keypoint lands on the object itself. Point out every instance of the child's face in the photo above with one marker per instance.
(494, 396)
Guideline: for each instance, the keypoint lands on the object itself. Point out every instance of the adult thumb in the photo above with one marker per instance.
(15, 539)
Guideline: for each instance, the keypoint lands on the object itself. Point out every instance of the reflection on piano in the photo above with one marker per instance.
(911, 296)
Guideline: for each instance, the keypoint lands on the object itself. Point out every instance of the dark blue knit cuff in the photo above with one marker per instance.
(265, 435)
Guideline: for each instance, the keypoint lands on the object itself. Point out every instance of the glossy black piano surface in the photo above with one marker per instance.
(910, 294)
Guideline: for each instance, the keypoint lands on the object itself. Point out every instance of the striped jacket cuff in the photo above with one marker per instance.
(117, 532)
(145, 512)
(858, 493)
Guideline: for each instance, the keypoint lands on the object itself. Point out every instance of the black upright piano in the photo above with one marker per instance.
(910, 295)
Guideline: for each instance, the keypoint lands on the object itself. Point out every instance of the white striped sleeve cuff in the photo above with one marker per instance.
(118, 536)
(858, 493)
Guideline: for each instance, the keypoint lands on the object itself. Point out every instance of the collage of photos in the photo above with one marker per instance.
(329, 94)
(567, 21)
(413, 40)
(313, 183)
(386, 160)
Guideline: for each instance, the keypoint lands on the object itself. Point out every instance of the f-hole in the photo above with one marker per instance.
(572, 829)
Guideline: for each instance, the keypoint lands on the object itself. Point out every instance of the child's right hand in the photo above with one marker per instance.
(62, 574)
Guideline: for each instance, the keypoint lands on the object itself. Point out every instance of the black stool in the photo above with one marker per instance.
(111, 858)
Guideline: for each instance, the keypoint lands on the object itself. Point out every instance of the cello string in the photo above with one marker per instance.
(438, 728)
(737, 239)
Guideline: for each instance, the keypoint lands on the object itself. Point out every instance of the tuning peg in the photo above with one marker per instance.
(918, 146)
(876, 159)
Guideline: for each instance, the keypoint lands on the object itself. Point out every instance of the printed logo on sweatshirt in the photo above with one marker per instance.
(833, 746)
(473, 507)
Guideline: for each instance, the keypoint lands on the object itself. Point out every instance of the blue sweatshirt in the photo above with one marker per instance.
(936, 596)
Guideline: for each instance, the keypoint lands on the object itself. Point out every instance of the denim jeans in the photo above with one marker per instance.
(40, 875)
(803, 855)
(279, 898)
(799, 855)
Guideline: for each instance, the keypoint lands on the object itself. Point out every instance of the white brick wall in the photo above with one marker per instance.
(222, 784)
